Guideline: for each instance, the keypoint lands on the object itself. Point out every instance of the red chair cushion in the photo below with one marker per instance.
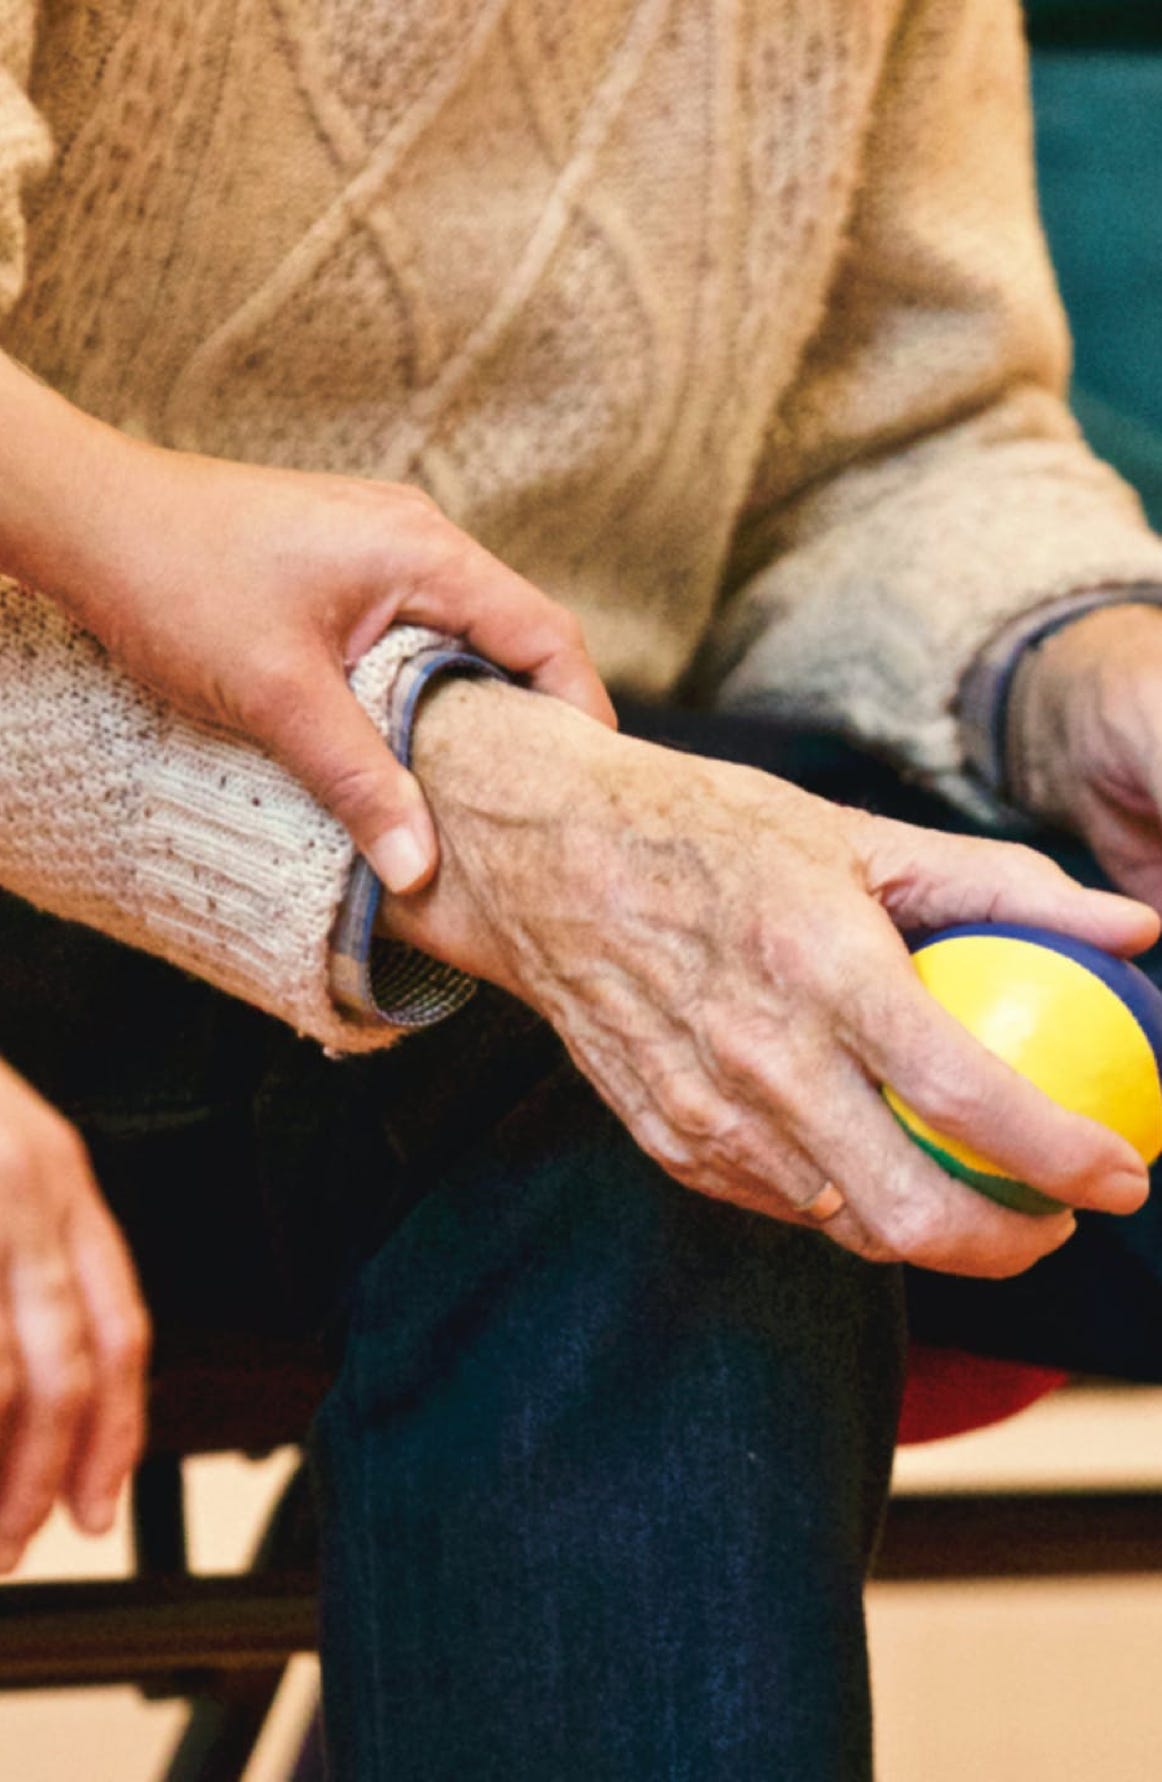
(947, 1392)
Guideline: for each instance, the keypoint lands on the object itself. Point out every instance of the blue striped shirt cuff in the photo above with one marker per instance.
(377, 980)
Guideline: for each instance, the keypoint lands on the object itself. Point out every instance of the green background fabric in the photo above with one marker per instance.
(1097, 83)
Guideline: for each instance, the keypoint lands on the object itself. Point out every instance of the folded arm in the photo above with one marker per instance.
(940, 485)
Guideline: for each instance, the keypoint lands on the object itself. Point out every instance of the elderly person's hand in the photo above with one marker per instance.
(1085, 739)
(74, 1335)
(242, 594)
(721, 953)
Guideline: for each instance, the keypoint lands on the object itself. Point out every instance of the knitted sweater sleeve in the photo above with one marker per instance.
(939, 485)
(178, 839)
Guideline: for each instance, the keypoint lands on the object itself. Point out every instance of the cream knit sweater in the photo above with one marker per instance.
(729, 322)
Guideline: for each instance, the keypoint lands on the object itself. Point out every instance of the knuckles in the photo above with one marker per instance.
(125, 1341)
(912, 1232)
(791, 959)
(1029, 863)
(661, 1142)
(411, 497)
(945, 1097)
(44, 1154)
(769, 1068)
(690, 1109)
(567, 630)
(269, 693)
(358, 791)
(11, 1382)
(919, 1234)
(60, 1387)
(64, 1151)
(19, 1173)
(830, 957)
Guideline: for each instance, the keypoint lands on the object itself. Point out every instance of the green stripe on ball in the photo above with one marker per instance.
(1006, 1190)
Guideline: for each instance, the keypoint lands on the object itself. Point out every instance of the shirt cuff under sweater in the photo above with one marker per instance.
(983, 703)
(354, 992)
(375, 979)
(171, 835)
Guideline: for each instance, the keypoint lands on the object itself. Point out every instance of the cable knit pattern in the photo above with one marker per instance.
(729, 322)
(25, 149)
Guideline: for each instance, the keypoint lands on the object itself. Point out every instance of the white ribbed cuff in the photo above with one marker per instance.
(241, 876)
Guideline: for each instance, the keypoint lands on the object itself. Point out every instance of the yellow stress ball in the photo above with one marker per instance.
(1082, 1025)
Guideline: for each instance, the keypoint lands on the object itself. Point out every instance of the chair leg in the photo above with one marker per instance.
(224, 1728)
(230, 1710)
(312, 1762)
(159, 1517)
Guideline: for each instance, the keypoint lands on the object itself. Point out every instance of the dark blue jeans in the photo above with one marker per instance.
(601, 1478)
(604, 1464)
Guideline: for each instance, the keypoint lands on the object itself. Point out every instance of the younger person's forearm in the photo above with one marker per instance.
(57, 465)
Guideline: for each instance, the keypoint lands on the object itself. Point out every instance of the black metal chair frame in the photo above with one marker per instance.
(223, 1642)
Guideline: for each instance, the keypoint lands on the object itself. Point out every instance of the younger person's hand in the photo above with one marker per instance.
(243, 594)
(74, 1334)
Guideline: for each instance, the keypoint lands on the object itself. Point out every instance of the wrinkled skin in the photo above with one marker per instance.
(721, 953)
(1085, 740)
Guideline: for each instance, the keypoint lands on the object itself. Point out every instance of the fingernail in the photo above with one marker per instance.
(1132, 1187)
(399, 860)
(99, 1516)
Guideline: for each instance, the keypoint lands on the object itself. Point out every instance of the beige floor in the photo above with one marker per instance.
(1013, 1683)
(1027, 1682)
(111, 1735)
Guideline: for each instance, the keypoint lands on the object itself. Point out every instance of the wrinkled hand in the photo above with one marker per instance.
(242, 594)
(74, 1335)
(1085, 740)
(720, 952)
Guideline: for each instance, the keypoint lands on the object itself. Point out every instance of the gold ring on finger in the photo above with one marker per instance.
(824, 1205)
